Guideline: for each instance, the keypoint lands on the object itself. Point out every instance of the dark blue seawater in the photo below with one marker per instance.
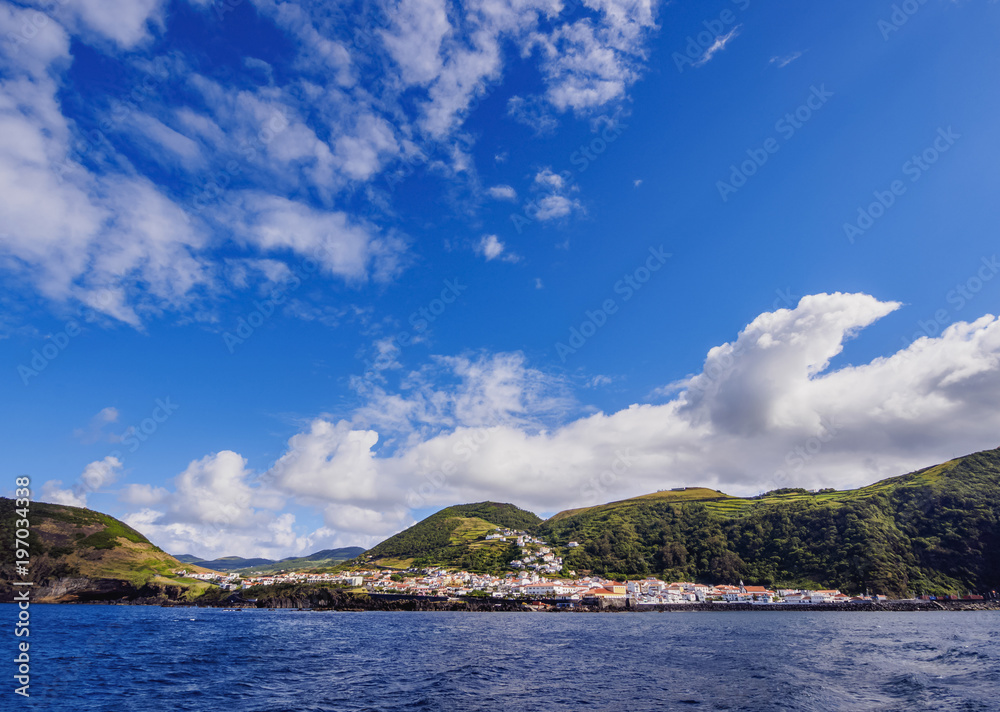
(123, 658)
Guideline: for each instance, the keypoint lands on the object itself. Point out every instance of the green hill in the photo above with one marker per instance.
(79, 554)
(934, 531)
(454, 537)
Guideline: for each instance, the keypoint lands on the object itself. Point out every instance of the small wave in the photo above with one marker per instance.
(963, 654)
(907, 686)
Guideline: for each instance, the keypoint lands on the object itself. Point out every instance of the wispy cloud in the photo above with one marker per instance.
(140, 208)
(719, 45)
(95, 428)
(786, 60)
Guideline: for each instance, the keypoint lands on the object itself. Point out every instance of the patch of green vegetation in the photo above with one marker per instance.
(470, 529)
(452, 537)
(107, 538)
(933, 531)
(193, 588)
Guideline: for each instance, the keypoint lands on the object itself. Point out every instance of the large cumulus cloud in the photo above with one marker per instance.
(765, 410)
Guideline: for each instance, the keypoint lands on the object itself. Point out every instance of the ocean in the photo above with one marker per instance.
(125, 658)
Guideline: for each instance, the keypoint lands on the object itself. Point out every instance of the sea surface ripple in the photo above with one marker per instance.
(134, 658)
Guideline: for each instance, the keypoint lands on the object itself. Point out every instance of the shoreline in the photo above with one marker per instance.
(364, 604)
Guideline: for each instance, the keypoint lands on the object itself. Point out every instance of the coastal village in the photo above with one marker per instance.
(537, 575)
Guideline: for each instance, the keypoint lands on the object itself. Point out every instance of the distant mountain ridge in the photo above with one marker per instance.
(321, 559)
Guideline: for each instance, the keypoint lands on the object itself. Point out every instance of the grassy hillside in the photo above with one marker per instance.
(685, 494)
(935, 530)
(72, 543)
(454, 537)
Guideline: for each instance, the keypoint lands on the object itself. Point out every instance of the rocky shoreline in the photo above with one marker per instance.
(82, 590)
(359, 603)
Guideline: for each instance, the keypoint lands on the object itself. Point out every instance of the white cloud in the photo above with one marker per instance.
(547, 179)
(492, 248)
(124, 22)
(502, 192)
(76, 234)
(100, 473)
(717, 46)
(590, 63)
(534, 112)
(330, 462)
(736, 426)
(95, 428)
(214, 511)
(95, 476)
(553, 202)
(555, 206)
(347, 248)
(362, 152)
(486, 390)
(143, 495)
(414, 43)
(53, 492)
(181, 148)
(785, 61)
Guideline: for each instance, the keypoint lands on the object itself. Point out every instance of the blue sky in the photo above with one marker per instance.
(285, 276)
